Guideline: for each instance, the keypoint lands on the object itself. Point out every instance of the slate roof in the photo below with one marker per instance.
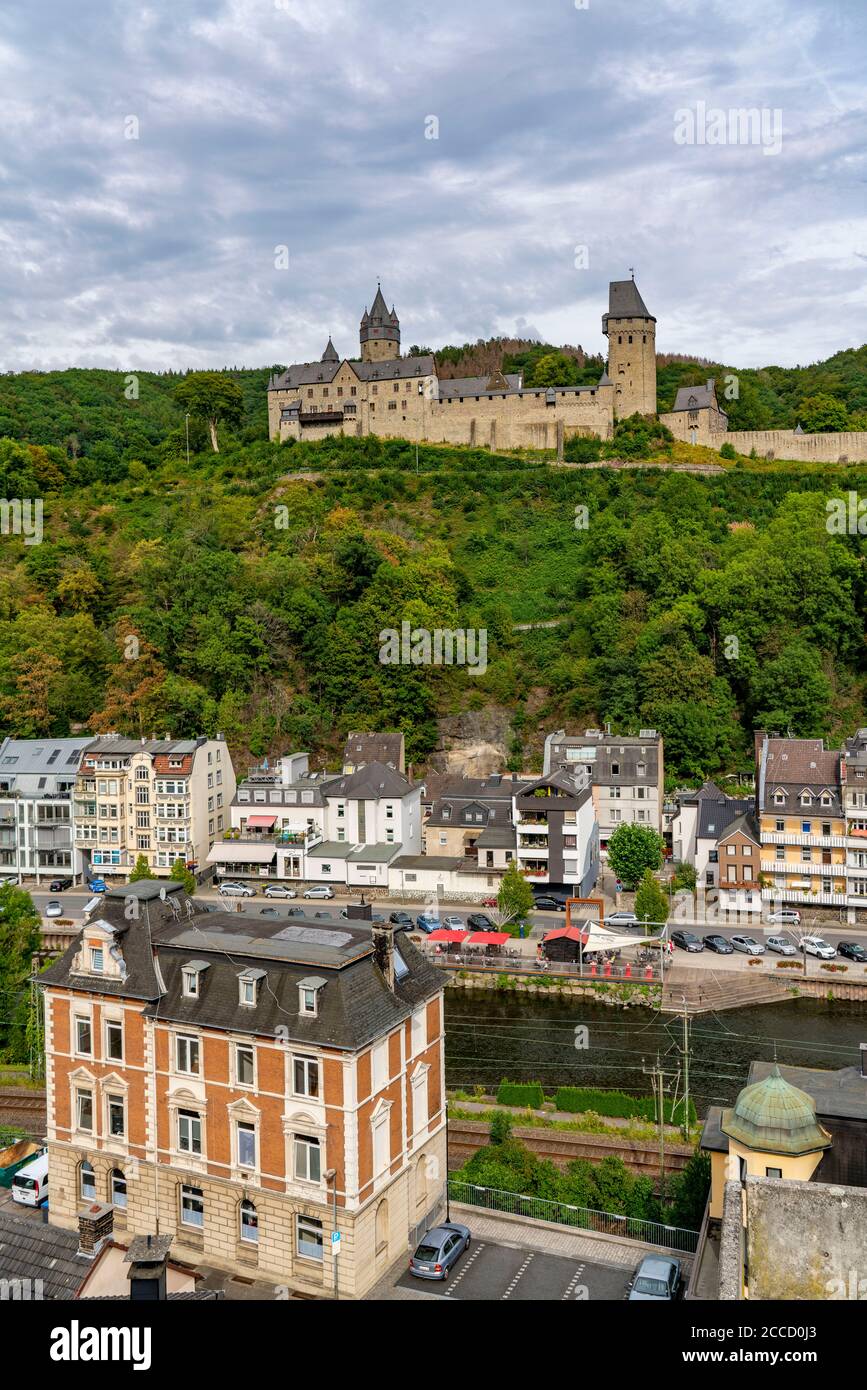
(31, 1250)
(744, 824)
(478, 385)
(446, 786)
(323, 373)
(374, 748)
(371, 782)
(495, 810)
(330, 354)
(439, 863)
(624, 302)
(801, 764)
(696, 398)
(715, 815)
(841, 1094)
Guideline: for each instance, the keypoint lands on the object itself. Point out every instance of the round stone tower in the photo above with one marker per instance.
(380, 332)
(631, 333)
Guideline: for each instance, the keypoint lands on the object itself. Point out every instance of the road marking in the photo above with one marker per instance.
(519, 1276)
(451, 1284)
(574, 1280)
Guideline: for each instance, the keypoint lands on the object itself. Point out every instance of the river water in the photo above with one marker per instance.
(490, 1036)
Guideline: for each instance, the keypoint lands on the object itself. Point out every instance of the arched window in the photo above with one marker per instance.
(117, 1187)
(87, 1182)
(249, 1220)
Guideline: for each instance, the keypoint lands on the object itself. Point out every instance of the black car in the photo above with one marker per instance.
(59, 885)
(852, 950)
(687, 941)
(401, 919)
(546, 902)
(718, 943)
(477, 921)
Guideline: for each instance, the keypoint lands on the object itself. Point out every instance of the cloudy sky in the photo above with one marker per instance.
(154, 158)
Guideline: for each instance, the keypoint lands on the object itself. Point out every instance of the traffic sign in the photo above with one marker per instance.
(335, 1240)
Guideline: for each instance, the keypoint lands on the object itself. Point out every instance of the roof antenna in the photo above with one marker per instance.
(632, 271)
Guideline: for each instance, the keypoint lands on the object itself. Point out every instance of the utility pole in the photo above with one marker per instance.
(685, 1069)
(658, 1079)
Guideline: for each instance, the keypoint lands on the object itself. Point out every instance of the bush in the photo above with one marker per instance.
(575, 1100)
(582, 448)
(728, 451)
(527, 1095)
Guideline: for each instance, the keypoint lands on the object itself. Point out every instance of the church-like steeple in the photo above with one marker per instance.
(330, 354)
(380, 332)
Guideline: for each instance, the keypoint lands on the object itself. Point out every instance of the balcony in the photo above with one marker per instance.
(792, 837)
(779, 866)
(532, 851)
(526, 821)
(805, 896)
(59, 837)
(300, 839)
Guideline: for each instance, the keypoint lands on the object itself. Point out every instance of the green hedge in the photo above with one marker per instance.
(529, 1095)
(576, 1100)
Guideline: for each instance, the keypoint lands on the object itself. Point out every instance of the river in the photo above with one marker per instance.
(490, 1036)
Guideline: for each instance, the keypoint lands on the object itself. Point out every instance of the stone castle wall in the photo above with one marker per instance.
(850, 447)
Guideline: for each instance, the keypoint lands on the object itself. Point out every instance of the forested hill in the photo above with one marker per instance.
(111, 418)
(258, 582)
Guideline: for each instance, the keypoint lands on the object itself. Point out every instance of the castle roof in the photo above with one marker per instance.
(696, 397)
(624, 302)
(324, 372)
(330, 354)
(380, 311)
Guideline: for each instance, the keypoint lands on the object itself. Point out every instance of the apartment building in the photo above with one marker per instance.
(557, 831)
(627, 774)
(249, 1087)
(289, 824)
(739, 866)
(802, 824)
(701, 820)
(37, 781)
(165, 799)
(471, 819)
(361, 749)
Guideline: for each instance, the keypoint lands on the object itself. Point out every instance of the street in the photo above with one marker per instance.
(494, 1273)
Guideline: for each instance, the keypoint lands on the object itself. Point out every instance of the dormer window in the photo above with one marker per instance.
(642, 769)
(191, 976)
(248, 987)
(806, 799)
(308, 996)
(779, 798)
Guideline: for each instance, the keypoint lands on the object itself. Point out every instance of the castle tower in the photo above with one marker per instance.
(631, 333)
(330, 354)
(380, 332)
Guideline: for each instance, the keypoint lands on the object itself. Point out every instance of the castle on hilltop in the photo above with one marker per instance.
(382, 393)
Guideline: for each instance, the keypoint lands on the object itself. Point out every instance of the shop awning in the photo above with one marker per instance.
(490, 938)
(261, 822)
(241, 852)
(452, 938)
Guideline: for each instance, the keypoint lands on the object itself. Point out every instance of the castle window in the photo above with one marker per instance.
(392, 405)
(353, 390)
(340, 390)
(310, 393)
(325, 390)
(620, 337)
(397, 386)
(630, 337)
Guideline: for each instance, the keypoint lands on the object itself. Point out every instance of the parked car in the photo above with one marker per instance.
(30, 1184)
(817, 946)
(279, 890)
(490, 902)
(714, 942)
(426, 923)
(687, 941)
(97, 885)
(11, 879)
(320, 891)
(749, 945)
(852, 950)
(781, 945)
(53, 908)
(784, 917)
(656, 1278)
(236, 890)
(438, 1251)
(454, 924)
(546, 902)
(621, 918)
(477, 921)
(59, 885)
(401, 919)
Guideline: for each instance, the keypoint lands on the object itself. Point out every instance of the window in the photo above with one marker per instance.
(307, 1000)
(114, 1040)
(189, 1132)
(246, 1144)
(305, 1076)
(192, 1207)
(806, 827)
(191, 984)
(117, 1188)
(245, 1065)
(97, 959)
(187, 1054)
(87, 1182)
(773, 1172)
(249, 1223)
(83, 1037)
(308, 1165)
(116, 1118)
(781, 825)
(84, 1111)
(248, 989)
(309, 1236)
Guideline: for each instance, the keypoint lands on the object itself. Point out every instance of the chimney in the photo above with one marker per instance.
(147, 1257)
(383, 950)
(95, 1226)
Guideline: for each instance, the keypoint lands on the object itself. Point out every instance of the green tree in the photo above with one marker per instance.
(140, 870)
(212, 397)
(631, 850)
(651, 903)
(515, 898)
(181, 874)
(555, 369)
(688, 1193)
(822, 414)
(19, 939)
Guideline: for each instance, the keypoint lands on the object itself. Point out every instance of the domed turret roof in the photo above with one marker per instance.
(773, 1116)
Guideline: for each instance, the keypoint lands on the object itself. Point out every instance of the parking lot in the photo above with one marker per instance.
(489, 1272)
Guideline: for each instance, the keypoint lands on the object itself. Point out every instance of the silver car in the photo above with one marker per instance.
(657, 1278)
(781, 945)
(438, 1251)
(748, 944)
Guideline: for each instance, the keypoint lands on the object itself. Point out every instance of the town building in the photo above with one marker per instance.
(252, 1088)
(799, 807)
(703, 817)
(162, 799)
(627, 774)
(558, 833)
(290, 824)
(360, 749)
(37, 781)
(697, 417)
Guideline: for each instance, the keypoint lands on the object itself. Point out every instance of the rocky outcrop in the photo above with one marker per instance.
(474, 743)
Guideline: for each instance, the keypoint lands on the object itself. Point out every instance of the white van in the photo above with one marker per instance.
(30, 1183)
